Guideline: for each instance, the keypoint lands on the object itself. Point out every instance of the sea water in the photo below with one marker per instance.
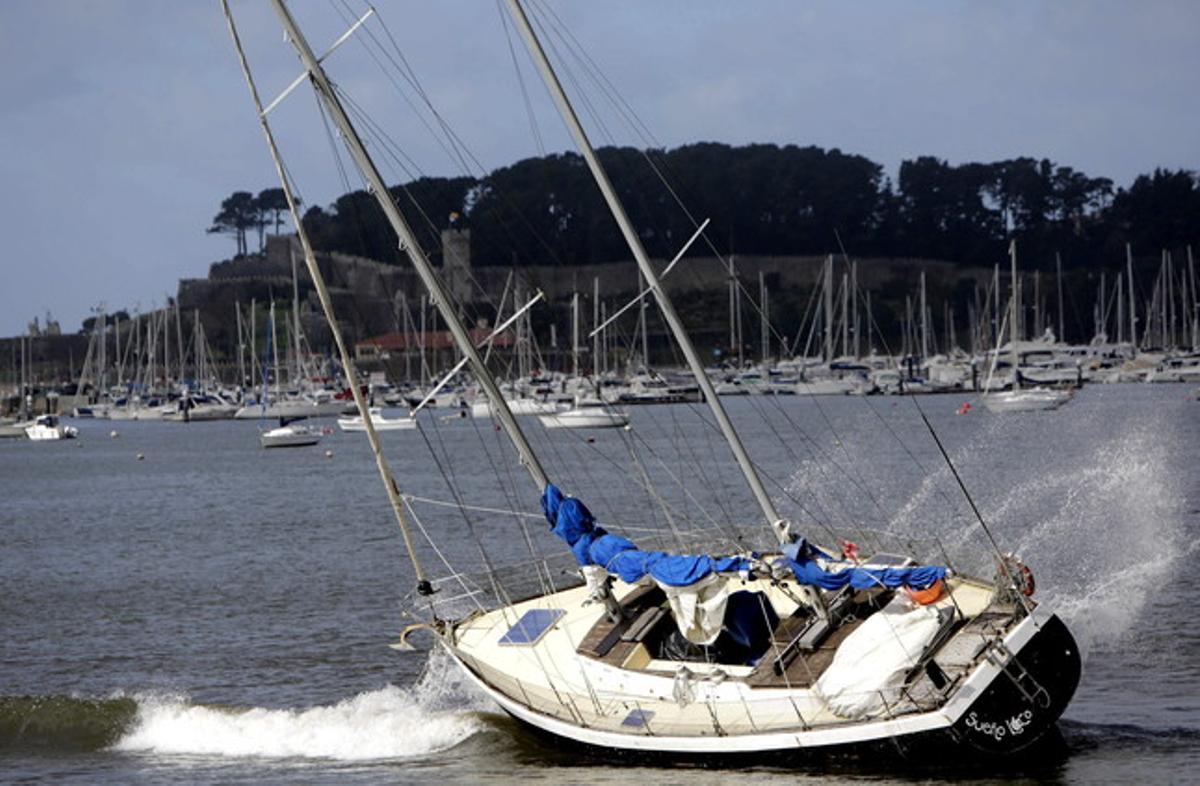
(214, 612)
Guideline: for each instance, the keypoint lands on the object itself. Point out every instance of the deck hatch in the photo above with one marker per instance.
(531, 627)
(638, 718)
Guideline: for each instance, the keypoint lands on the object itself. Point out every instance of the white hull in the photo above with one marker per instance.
(290, 437)
(47, 428)
(827, 387)
(154, 412)
(294, 408)
(96, 411)
(202, 413)
(587, 417)
(518, 406)
(1190, 375)
(637, 705)
(380, 423)
(1026, 400)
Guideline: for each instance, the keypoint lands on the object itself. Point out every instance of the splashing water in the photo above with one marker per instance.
(1103, 527)
(433, 715)
(1108, 534)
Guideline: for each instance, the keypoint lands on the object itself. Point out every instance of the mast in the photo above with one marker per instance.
(1014, 356)
(845, 314)
(1195, 301)
(763, 327)
(254, 341)
(737, 312)
(1120, 309)
(1062, 333)
(241, 353)
(119, 361)
(389, 482)
(295, 343)
(597, 335)
(1132, 302)
(274, 352)
(827, 298)
(924, 321)
(1037, 302)
(178, 342)
(645, 317)
(424, 362)
(732, 308)
(575, 335)
(408, 240)
(854, 306)
(996, 321)
(664, 303)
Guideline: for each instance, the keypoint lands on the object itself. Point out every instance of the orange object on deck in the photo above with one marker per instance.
(928, 595)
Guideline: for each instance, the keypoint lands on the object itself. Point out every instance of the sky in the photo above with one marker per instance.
(126, 122)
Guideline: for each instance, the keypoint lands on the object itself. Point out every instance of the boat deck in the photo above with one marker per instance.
(565, 660)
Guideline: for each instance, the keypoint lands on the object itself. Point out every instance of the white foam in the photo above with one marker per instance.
(1116, 536)
(1103, 528)
(388, 723)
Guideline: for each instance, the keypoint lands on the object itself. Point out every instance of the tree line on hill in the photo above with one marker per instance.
(763, 199)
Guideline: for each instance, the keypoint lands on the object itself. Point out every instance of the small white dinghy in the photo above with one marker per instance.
(378, 420)
(48, 427)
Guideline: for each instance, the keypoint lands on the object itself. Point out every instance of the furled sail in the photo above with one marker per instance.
(811, 565)
(592, 545)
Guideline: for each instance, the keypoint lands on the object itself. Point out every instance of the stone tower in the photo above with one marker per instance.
(456, 262)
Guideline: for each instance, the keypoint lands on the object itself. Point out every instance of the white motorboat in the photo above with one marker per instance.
(290, 435)
(378, 420)
(48, 427)
(586, 414)
(820, 651)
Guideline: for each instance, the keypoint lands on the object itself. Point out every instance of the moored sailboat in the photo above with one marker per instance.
(1019, 399)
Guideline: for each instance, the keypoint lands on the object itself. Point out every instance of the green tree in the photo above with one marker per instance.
(271, 204)
(239, 212)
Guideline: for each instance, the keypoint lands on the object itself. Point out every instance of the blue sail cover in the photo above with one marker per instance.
(591, 544)
(812, 566)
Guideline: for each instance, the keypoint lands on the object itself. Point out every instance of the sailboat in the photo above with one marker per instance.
(715, 654)
(379, 420)
(1020, 399)
(587, 413)
(289, 434)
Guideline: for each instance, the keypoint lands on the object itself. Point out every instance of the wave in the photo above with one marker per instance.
(433, 715)
(63, 723)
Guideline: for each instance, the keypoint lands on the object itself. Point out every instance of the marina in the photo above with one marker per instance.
(159, 661)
